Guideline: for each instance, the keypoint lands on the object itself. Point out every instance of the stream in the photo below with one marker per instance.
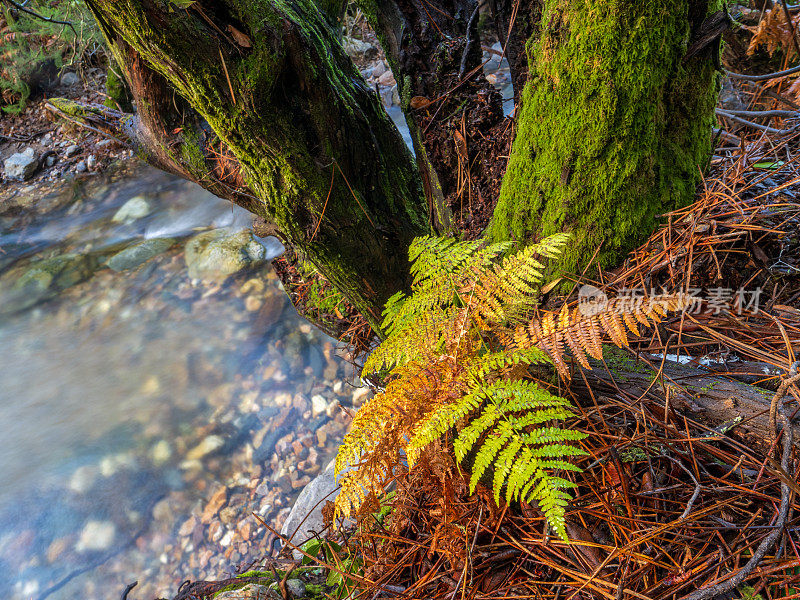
(148, 360)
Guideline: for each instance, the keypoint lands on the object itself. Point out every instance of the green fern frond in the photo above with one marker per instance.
(417, 340)
(502, 360)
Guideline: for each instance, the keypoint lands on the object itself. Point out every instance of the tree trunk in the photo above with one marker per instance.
(615, 125)
(272, 114)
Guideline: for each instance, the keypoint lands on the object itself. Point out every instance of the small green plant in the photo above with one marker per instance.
(345, 562)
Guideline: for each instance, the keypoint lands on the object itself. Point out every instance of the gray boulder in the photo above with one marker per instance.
(308, 507)
(69, 78)
(214, 255)
(296, 588)
(44, 279)
(21, 166)
(135, 255)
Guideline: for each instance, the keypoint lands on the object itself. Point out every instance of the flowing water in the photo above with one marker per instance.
(127, 395)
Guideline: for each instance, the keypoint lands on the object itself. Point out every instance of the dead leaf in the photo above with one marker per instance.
(418, 102)
(240, 38)
(590, 553)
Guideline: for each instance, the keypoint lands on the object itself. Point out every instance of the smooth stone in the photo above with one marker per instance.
(81, 167)
(71, 150)
(360, 395)
(21, 166)
(69, 79)
(135, 255)
(209, 444)
(214, 255)
(96, 536)
(387, 79)
(83, 478)
(51, 160)
(135, 208)
(318, 405)
(113, 463)
(296, 588)
(355, 48)
(45, 278)
(160, 453)
(379, 69)
(306, 514)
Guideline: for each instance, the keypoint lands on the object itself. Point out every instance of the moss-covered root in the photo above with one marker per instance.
(615, 126)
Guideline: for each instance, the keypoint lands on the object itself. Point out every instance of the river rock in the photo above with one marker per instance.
(81, 167)
(356, 48)
(379, 69)
(214, 255)
(69, 78)
(160, 453)
(96, 536)
(387, 79)
(210, 444)
(135, 255)
(308, 507)
(296, 588)
(216, 502)
(360, 395)
(83, 479)
(45, 278)
(135, 208)
(318, 405)
(21, 166)
(251, 591)
(72, 150)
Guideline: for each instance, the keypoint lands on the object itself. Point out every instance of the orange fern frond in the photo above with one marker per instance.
(583, 333)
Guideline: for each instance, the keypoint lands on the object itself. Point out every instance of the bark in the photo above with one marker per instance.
(615, 125)
(258, 102)
(732, 407)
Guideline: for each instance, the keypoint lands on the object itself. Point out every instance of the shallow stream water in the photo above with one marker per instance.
(128, 397)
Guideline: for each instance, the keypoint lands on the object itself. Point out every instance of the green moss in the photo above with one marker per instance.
(267, 574)
(613, 130)
(619, 361)
(117, 90)
(229, 588)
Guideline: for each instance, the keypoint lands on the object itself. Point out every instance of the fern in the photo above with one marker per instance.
(456, 359)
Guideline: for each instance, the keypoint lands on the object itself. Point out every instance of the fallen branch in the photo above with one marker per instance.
(707, 397)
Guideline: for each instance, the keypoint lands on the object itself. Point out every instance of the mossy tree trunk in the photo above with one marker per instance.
(615, 124)
(257, 101)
